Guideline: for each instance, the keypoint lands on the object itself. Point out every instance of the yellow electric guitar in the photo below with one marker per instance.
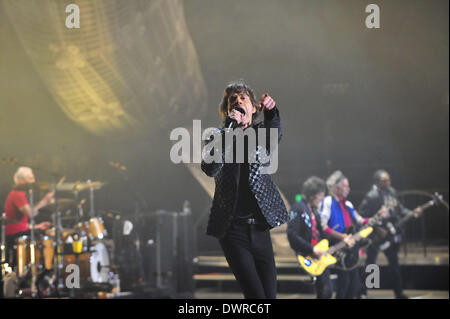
(316, 267)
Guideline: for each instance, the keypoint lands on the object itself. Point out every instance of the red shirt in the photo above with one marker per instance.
(347, 218)
(15, 200)
(314, 238)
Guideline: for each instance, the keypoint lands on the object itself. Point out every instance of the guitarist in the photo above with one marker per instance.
(305, 230)
(381, 195)
(338, 215)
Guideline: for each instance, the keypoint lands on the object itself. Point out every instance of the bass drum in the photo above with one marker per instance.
(94, 265)
(99, 263)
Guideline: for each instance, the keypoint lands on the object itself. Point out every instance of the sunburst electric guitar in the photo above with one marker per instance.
(316, 267)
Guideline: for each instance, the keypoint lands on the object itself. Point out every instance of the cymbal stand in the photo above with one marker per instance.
(78, 216)
(91, 197)
(77, 247)
(3, 243)
(58, 262)
(75, 195)
(32, 245)
(4, 264)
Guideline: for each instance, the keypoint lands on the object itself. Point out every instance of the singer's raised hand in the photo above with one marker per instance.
(266, 102)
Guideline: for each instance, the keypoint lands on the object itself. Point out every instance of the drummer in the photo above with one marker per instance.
(18, 208)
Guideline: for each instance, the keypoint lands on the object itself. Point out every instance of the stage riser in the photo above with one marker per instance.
(414, 277)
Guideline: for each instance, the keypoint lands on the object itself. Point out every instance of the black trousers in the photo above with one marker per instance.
(324, 288)
(249, 252)
(391, 254)
(348, 284)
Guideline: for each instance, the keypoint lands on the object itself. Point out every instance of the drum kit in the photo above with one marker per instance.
(73, 239)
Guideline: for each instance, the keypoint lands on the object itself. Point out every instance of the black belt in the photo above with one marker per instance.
(247, 221)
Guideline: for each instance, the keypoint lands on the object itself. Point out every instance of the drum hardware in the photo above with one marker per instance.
(39, 186)
(66, 232)
(80, 213)
(80, 186)
(94, 228)
(140, 205)
(58, 264)
(77, 248)
(5, 268)
(45, 258)
(32, 246)
(3, 240)
(76, 188)
(61, 186)
(91, 198)
(63, 204)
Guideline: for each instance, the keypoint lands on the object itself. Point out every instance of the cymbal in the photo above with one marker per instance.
(52, 230)
(83, 186)
(68, 217)
(79, 186)
(8, 220)
(34, 186)
(61, 187)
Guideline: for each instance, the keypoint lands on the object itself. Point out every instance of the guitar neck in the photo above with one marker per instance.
(342, 244)
(410, 214)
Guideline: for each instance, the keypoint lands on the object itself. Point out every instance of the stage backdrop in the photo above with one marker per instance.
(74, 101)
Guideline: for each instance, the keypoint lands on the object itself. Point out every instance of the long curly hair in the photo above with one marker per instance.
(313, 186)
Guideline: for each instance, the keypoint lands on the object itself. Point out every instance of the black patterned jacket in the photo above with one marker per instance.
(226, 176)
(299, 230)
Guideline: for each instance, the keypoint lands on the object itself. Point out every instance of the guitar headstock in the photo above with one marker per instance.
(437, 198)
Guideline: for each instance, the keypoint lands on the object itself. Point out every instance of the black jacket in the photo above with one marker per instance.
(226, 176)
(299, 230)
(376, 198)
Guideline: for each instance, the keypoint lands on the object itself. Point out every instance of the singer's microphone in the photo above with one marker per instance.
(233, 123)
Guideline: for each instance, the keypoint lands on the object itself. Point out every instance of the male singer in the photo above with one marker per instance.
(246, 202)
